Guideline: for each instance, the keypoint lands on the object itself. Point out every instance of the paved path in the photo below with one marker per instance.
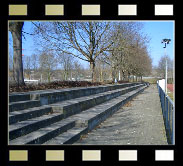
(139, 122)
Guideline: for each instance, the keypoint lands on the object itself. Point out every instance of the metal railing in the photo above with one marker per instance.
(168, 110)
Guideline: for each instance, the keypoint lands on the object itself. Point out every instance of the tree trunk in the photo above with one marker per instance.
(92, 68)
(101, 76)
(49, 77)
(128, 76)
(29, 75)
(113, 76)
(123, 75)
(16, 31)
(113, 73)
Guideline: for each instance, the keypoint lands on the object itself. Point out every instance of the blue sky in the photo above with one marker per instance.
(155, 30)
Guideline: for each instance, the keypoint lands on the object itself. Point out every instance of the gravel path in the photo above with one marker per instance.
(139, 122)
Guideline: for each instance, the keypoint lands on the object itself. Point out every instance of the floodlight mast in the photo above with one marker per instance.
(166, 41)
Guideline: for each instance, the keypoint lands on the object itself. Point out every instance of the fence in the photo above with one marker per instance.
(168, 110)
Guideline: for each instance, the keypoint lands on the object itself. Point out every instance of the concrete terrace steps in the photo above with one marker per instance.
(66, 106)
(22, 128)
(44, 134)
(51, 96)
(27, 100)
(89, 119)
(67, 119)
(63, 109)
(77, 105)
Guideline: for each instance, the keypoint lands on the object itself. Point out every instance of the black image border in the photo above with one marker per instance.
(73, 154)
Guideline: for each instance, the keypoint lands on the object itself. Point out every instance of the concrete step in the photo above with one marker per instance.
(25, 127)
(89, 119)
(18, 116)
(44, 134)
(71, 107)
(15, 97)
(68, 137)
(20, 105)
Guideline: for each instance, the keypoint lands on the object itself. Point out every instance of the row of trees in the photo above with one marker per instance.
(129, 54)
(115, 46)
(47, 64)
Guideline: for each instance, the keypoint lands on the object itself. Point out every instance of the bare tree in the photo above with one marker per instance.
(67, 64)
(27, 66)
(35, 61)
(47, 63)
(102, 70)
(121, 45)
(162, 64)
(78, 70)
(16, 30)
(84, 40)
(129, 53)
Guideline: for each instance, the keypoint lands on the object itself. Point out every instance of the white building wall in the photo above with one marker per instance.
(162, 84)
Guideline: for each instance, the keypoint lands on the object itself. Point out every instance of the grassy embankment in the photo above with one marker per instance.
(170, 94)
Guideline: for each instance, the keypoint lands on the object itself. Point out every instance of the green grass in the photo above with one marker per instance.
(151, 80)
(170, 94)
